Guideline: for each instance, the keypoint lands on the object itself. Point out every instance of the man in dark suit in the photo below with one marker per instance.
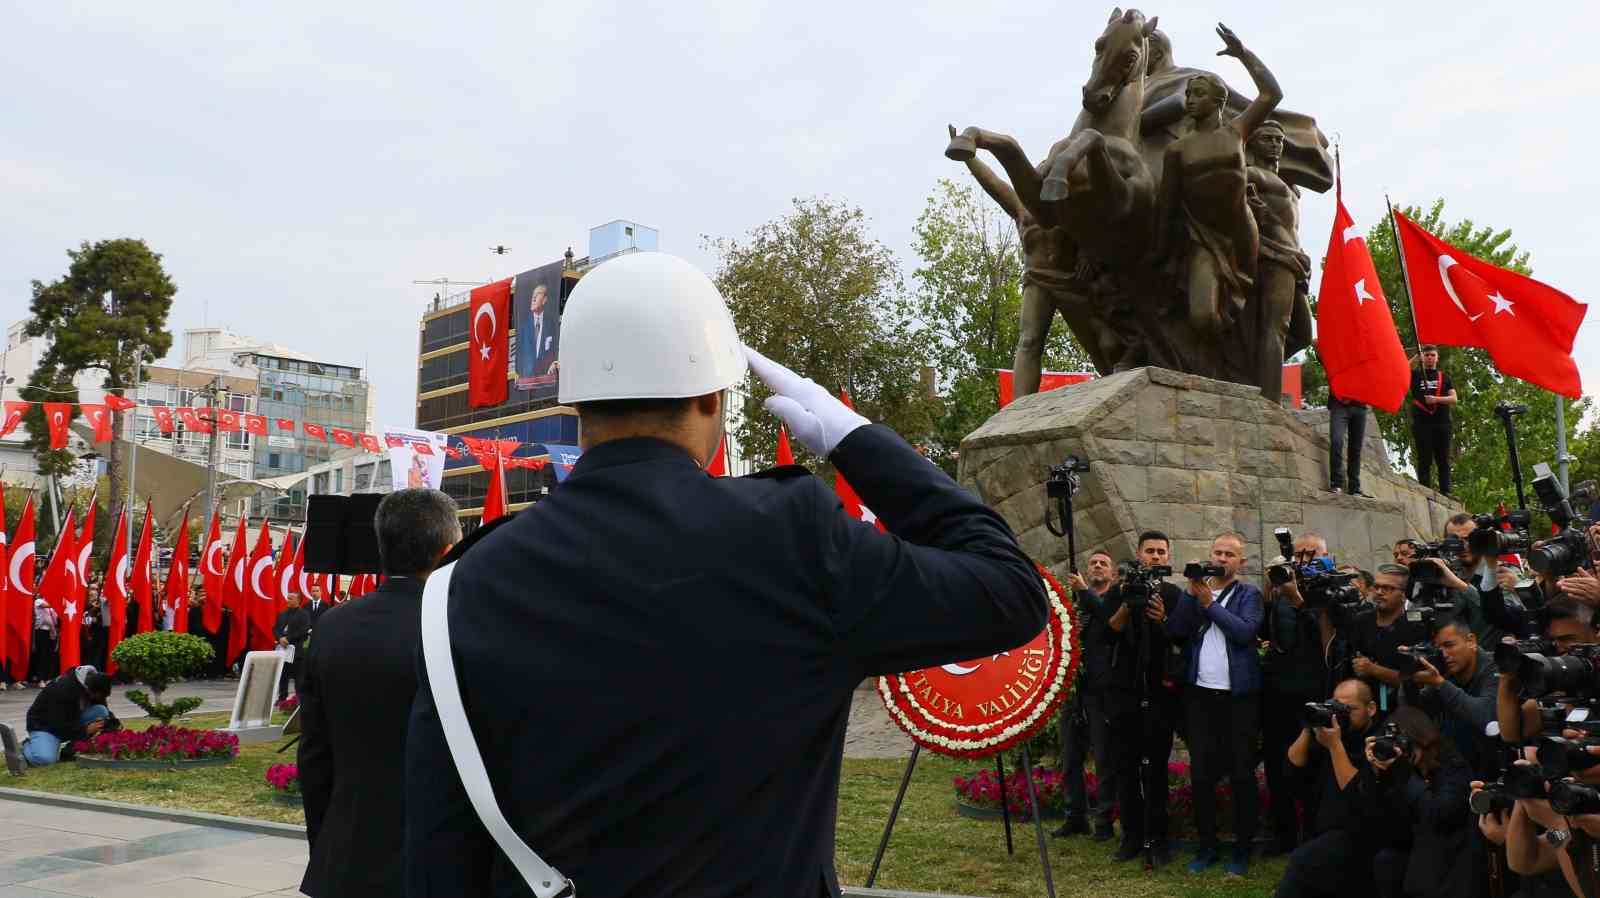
(290, 630)
(658, 665)
(359, 676)
(539, 335)
(316, 605)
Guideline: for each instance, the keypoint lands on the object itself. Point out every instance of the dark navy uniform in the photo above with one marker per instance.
(658, 665)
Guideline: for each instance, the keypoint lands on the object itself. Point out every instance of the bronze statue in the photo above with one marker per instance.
(1283, 271)
(1146, 276)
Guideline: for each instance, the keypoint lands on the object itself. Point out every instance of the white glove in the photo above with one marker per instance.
(817, 419)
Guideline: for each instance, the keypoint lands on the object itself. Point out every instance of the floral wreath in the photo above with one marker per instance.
(972, 741)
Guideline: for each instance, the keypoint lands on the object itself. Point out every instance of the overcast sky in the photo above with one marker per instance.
(298, 164)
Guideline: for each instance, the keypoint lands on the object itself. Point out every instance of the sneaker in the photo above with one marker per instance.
(1103, 832)
(1239, 863)
(1335, 490)
(1127, 851)
(14, 761)
(1204, 860)
(1075, 826)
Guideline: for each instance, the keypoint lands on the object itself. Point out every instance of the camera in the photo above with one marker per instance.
(1138, 583)
(1391, 744)
(1200, 570)
(1064, 477)
(1572, 799)
(1318, 582)
(1562, 757)
(1575, 673)
(1413, 657)
(1503, 535)
(1321, 715)
(1562, 554)
(1518, 782)
(1508, 655)
(1425, 571)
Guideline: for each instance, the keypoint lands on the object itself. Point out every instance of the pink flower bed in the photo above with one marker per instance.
(284, 778)
(288, 704)
(160, 743)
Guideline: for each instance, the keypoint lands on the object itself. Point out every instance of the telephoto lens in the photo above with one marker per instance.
(1573, 799)
(1508, 655)
(1491, 798)
(1561, 757)
(1575, 673)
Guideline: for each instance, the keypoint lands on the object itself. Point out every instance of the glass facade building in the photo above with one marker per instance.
(304, 392)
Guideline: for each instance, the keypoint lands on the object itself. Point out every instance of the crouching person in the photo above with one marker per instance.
(72, 707)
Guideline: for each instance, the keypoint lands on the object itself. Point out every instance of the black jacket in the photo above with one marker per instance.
(293, 624)
(58, 709)
(315, 610)
(659, 665)
(1164, 662)
(355, 692)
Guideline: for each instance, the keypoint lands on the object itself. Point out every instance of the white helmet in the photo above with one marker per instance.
(647, 326)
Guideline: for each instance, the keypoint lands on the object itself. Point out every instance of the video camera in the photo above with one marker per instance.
(1540, 673)
(1500, 535)
(1447, 550)
(1321, 715)
(1137, 583)
(1562, 554)
(1319, 584)
(1200, 570)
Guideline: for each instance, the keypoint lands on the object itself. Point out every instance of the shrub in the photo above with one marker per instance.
(157, 659)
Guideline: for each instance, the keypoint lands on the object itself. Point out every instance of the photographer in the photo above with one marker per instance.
(1339, 858)
(1085, 728)
(1405, 551)
(1444, 579)
(1524, 832)
(1294, 671)
(1377, 634)
(1219, 616)
(1566, 624)
(1461, 697)
(1139, 700)
(1417, 784)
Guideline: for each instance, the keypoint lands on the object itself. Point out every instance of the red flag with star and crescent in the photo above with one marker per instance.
(58, 415)
(212, 573)
(235, 595)
(177, 586)
(1356, 338)
(163, 416)
(14, 413)
(1527, 327)
(99, 418)
(488, 359)
(262, 592)
(115, 591)
(847, 494)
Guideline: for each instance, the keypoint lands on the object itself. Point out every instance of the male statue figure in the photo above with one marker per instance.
(1283, 274)
(1203, 193)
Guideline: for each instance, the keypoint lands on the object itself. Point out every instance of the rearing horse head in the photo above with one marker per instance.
(1120, 56)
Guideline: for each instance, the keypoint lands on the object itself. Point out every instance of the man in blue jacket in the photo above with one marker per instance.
(1220, 617)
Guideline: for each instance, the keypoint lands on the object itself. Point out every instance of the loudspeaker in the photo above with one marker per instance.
(340, 534)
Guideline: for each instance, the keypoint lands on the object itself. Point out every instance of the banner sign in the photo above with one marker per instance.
(536, 314)
(416, 458)
(562, 458)
(980, 707)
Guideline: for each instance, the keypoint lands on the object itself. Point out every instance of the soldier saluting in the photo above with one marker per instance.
(657, 665)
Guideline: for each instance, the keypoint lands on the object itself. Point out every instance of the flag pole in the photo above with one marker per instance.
(1405, 276)
(1561, 440)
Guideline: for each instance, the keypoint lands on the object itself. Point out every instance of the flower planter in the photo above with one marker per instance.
(104, 762)
(975, 812)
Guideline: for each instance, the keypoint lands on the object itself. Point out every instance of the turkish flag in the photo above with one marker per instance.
(234, 594)
(177, 597)
(227, 420)
(489, 350)
(304, 580)
(494, 502)
(14, 413)
(283, 578)
(452, 452)
(422, 448)
(1526, 326)
(286, 424)
(71, 599)
(785, 454)
(192, 421)
(847, 494)
(139, 580)
(120, 403)
(71, 650)
(99, 418)
(316, 431)
(256, 424)
(369, 442)
(212, 574)
(114, 592)
(261, 592)
(58, 584)
(1048, 380)
(719, 462)
(1356, 338)
(163, 416)
(58, 415)
(344, 437)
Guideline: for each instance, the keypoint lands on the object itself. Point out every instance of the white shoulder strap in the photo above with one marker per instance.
(540, 876)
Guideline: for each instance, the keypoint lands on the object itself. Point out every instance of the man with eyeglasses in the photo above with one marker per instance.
(1377, 635)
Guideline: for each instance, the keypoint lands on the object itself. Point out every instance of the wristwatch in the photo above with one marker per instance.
(1557, 837)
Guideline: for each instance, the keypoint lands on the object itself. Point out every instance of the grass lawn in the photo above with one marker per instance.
(932, 849)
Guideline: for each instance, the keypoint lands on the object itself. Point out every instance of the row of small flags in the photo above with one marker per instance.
(253, 584)
(202, 419)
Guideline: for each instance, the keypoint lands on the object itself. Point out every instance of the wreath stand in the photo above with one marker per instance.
(1005, 811)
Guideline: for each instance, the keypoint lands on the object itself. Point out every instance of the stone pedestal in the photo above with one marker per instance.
(1192, 457)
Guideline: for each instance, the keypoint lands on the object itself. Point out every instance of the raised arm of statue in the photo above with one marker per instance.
(992, 184)
(1268, 93)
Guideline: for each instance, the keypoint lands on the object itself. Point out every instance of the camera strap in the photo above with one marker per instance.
(542, 878)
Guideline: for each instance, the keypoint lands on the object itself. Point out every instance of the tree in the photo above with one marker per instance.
(815, 291)
(969, 295)
(87, 330)
(1481, 467)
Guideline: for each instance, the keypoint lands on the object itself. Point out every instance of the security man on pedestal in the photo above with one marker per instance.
(656, 666)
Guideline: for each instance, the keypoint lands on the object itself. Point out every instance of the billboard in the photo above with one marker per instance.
(416, 458)
(536, 311)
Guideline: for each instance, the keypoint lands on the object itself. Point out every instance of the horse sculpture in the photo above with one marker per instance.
(1094, 184)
